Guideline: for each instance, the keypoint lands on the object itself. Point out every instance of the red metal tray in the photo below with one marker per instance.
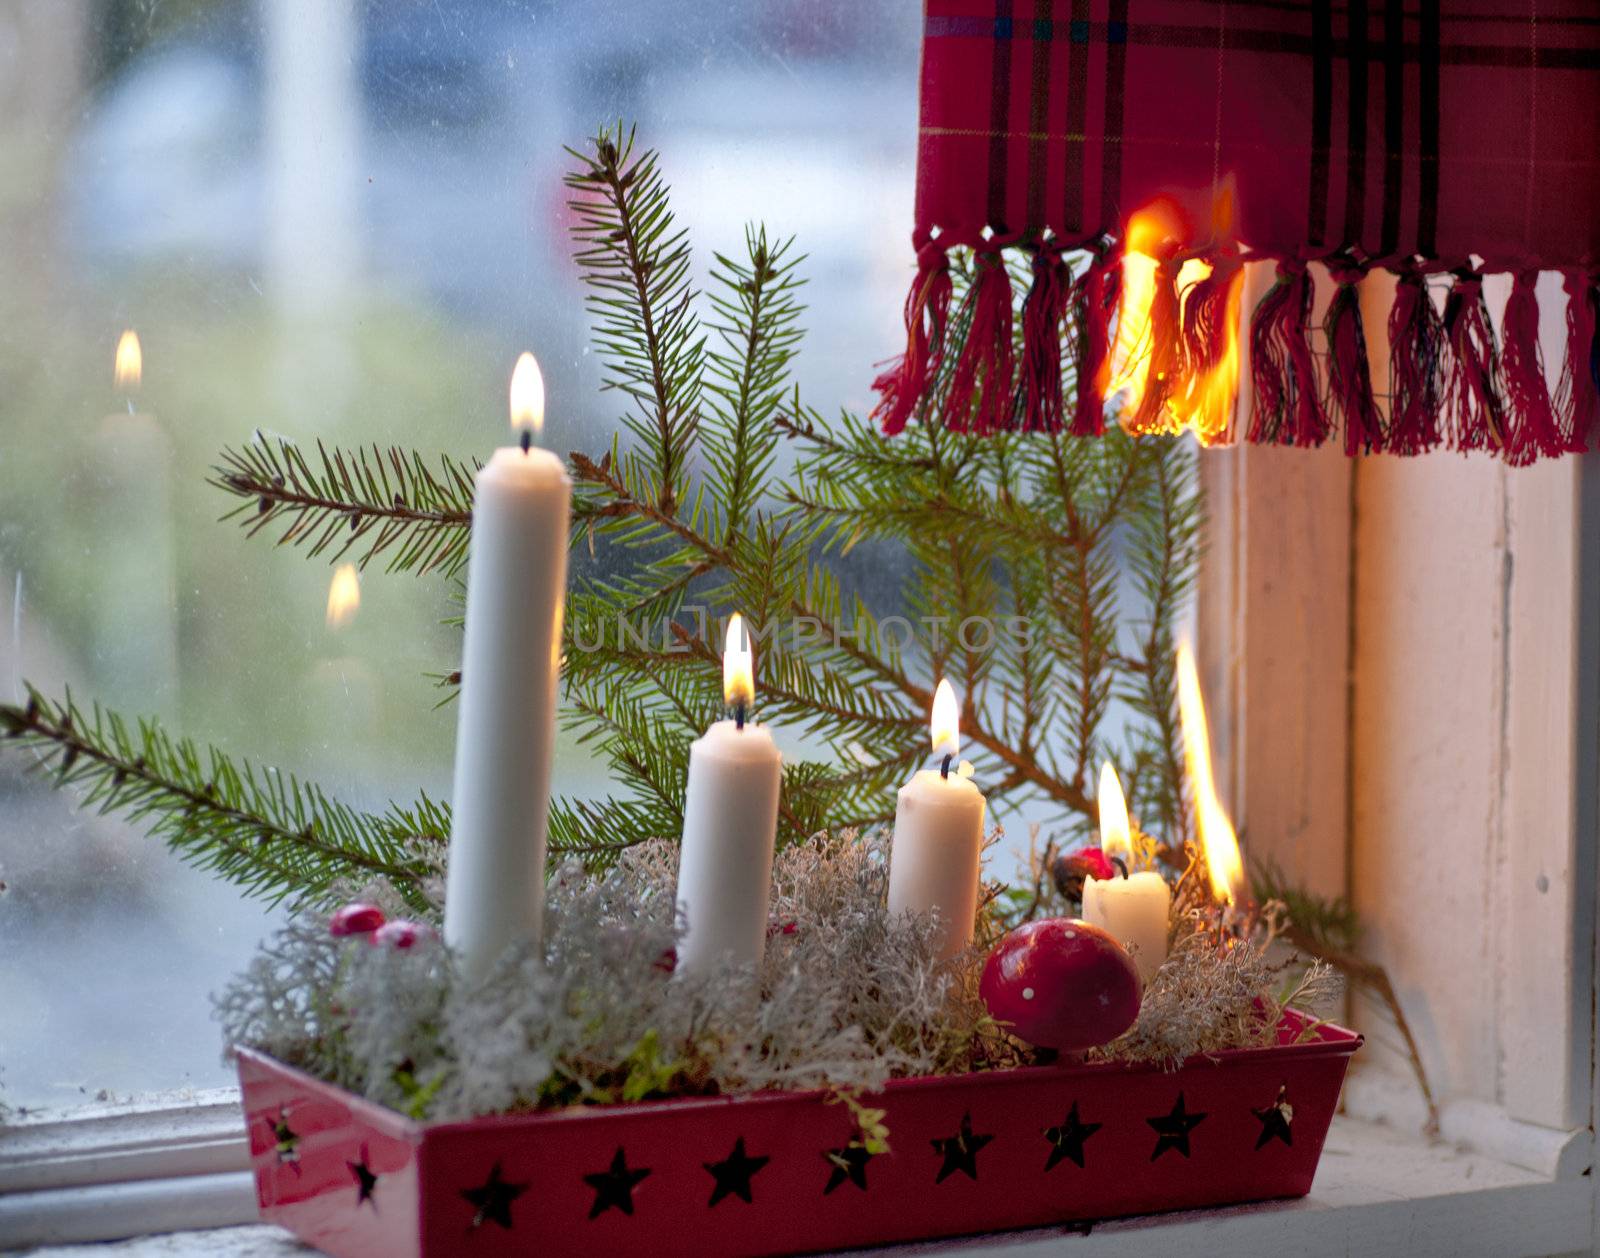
(775, 1172)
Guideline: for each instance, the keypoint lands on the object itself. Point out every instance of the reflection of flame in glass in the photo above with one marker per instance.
(1113, 808)
(130, 363)
(1220, 844)
(945, 724)
(527, 394)
(738, 665)
(344, 596)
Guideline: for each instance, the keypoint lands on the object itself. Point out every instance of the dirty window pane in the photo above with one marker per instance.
(341, 220)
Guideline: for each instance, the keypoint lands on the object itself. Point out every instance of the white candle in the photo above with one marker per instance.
(938, 837)
(516, 585)
(1132, 908)
(730, 823)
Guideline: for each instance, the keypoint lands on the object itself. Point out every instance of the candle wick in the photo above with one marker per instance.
(527, 440)
(1122, 865)
(944, 769)
(739, 713)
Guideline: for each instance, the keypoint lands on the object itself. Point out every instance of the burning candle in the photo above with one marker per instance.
(516, 584)
(1224, 867)
(1132, 907)
(730, 823)
(938, 836)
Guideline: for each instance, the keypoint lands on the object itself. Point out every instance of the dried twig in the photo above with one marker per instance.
(1375, 979)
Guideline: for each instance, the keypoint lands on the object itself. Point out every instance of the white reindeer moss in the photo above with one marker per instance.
(847, 997)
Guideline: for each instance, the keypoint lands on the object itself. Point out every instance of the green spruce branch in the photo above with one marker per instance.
(636, 260)
(996, 529)
(369, 501)
(278, 837)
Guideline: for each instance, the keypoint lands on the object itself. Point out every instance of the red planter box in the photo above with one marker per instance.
(775, 1173)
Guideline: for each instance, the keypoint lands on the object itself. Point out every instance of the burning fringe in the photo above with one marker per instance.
(1210, 315)
(1163, 375)
(1454, 383)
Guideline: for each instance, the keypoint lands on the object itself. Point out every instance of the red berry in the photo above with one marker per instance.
(355, 919)
(1061, 983)
(1096, 864)
(1070, 869)
(401, 934)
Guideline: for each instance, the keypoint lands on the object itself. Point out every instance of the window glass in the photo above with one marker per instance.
(333, 220)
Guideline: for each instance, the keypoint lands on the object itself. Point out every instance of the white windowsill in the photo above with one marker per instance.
(1377, 1191)
(154, 1138)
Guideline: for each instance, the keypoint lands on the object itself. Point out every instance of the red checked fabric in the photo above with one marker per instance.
(1431, 129)
(1423, 136)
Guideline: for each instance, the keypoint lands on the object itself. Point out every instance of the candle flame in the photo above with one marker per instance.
(527, 394)
(738, 665)
(945, 723)
(344, 596)
(1218, 841)
(129, 370)
(1114, 827)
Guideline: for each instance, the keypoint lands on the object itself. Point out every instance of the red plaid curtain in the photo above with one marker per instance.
(1423, 136)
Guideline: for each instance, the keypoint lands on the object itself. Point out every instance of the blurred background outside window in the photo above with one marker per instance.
(335, 219)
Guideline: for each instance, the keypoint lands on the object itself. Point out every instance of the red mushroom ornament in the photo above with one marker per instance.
(1061, 983)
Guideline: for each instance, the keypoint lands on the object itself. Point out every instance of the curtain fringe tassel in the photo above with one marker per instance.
(1453, 383)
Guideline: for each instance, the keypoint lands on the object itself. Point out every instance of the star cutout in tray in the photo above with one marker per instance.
(734, 1173)
(1172, 1130)
(848, 1163)
(1276, 1120)
(960, 1151)
(366, 1178)
(613, 1187)
(1067, 1140)
(492, 1202)
(285, 1141)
